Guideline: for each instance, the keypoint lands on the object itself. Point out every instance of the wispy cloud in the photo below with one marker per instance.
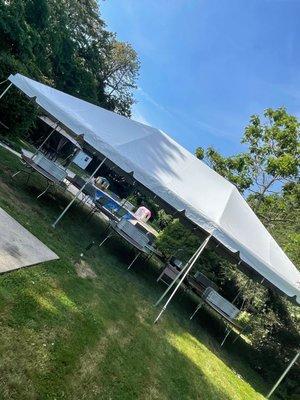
(139, 117)
(152, 101)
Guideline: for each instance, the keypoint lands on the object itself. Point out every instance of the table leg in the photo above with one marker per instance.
(133, 261)
(238, 335)
(196, 310)
(159, 278)
(16, 173)
(226, 336)
(28, 177)
(41, 194)
(105, 239)
(87, 249)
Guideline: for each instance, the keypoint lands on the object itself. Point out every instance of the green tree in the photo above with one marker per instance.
(234, 168)
(63, 43)
(120, 74)
(272, 158)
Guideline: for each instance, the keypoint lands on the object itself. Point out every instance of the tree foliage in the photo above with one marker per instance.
(64, 43)
(272, 158)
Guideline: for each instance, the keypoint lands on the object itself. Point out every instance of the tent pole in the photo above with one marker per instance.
(201, 248)
(48, 137)
(3, 93)
(78, 193)
(178, 276)
(283, 375)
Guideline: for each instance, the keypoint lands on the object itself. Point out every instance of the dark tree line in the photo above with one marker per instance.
(63, 43)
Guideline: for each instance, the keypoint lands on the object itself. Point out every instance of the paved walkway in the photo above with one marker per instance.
(18, 247)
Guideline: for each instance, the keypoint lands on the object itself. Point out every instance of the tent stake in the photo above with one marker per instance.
(199, 251)
(283, 375)
(78, 193)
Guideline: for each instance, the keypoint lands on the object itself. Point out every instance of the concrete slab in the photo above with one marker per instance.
(18, 247)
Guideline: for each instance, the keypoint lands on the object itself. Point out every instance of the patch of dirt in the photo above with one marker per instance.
(84, 270)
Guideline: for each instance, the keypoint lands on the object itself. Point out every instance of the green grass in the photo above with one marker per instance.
(17, 144)
(66, 337)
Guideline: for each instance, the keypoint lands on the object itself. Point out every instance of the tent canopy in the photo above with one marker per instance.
(176, 176)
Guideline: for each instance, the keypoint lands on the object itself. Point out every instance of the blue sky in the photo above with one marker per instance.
(207, 65)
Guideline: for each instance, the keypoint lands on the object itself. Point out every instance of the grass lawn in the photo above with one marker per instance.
(68, 337)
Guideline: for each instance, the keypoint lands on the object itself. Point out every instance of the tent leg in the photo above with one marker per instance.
(133, 261)
(77, 194)
(171, 284)
(178, 276)
(5, 90)
(187, 270)
(284, 374)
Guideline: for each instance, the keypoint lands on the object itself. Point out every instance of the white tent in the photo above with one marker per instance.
(176, 176)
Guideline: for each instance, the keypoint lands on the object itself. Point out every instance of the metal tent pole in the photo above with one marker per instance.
(178, 276)
(78, 193)
(202, 247)
(3, 93)
(284, 374)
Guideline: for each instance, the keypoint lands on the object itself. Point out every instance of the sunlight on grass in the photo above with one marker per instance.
(45, 303)
(47, 300)
(64, 300)
(215, 370)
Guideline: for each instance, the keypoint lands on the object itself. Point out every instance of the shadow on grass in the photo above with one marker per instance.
(93, 332)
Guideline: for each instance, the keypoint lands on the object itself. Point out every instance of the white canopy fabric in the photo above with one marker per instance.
(176, 176)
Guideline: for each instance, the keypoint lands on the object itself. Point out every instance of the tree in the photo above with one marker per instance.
(120, 74)
(234, 168)
(63, 43)
(16, 55)
(271, 161)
